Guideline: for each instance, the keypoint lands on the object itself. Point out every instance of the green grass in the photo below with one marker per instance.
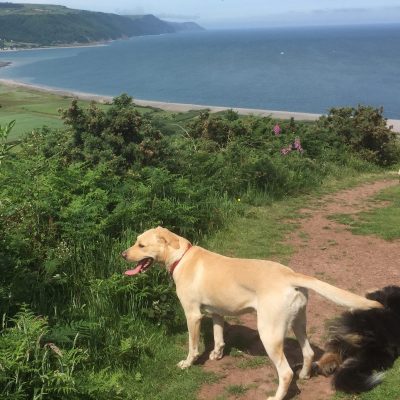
(163, 380)
(383, 222)
(259, 232)
(31, 109)
(236, 390)
(254, 362)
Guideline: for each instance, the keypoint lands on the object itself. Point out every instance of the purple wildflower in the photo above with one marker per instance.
(297, 145)
(277, 130)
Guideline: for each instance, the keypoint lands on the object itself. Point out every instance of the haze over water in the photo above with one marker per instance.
(294, 69)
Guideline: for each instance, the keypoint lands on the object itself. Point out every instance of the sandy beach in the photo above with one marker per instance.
(179, 107)
(60, 46)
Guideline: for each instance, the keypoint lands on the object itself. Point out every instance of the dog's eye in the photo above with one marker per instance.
(141, 245)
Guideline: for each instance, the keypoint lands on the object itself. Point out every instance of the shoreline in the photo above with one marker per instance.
(59, 46)
(179, 107)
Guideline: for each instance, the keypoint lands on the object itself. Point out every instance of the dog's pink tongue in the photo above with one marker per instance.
(131, 272)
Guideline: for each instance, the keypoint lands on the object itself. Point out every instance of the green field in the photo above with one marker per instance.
(30, 109)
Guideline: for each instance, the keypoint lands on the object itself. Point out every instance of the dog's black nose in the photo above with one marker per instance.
(124, 254)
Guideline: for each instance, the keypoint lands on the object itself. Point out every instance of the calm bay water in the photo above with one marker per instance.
(296, 69)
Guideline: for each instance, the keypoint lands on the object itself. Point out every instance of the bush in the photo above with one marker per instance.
(365, 130)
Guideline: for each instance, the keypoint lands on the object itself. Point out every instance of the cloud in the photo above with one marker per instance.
(341, 10)
(138, 10)
(338, 16)
(178, 16)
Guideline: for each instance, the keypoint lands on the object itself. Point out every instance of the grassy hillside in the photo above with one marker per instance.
(30, 25)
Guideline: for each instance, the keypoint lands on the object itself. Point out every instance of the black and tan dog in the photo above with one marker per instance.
(364, 343)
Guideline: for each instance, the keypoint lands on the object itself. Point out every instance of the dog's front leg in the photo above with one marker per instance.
(193, 318)
(218, 327)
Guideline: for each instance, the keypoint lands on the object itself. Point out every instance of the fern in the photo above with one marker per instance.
(31, 367)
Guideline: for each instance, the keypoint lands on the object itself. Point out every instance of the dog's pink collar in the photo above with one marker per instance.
(171, 269)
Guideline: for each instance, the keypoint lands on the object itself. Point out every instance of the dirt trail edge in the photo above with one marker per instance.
(326, 250)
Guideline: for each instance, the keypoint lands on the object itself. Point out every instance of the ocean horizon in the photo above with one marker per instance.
(306, 70)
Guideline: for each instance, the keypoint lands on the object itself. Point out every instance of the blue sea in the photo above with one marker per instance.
(293, 69)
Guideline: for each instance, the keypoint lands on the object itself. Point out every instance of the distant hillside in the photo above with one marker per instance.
(30, 25)
(150, 25)
(156, 25)
(185, 26)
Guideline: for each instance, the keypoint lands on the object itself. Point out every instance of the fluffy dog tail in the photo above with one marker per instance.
(351, 378)
(338, 296)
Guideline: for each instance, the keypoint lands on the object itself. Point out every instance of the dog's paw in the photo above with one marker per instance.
(184, 364)
(327, 364)
(216, 354)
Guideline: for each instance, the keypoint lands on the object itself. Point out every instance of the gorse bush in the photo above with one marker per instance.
(365, 130)
(121, 137)
(71, 200)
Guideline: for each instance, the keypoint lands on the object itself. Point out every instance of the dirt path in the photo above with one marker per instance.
(324, 249)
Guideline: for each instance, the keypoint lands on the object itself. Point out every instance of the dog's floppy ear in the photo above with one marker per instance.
(168, 237)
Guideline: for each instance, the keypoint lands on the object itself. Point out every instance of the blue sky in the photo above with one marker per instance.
(249, 13)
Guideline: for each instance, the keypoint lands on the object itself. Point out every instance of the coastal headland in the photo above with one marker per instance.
(179, 107)
(60, 25)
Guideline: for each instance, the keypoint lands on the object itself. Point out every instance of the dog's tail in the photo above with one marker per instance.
(338, 296)
(351, 377)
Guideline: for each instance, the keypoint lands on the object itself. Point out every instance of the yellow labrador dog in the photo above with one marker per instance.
(211, 283)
